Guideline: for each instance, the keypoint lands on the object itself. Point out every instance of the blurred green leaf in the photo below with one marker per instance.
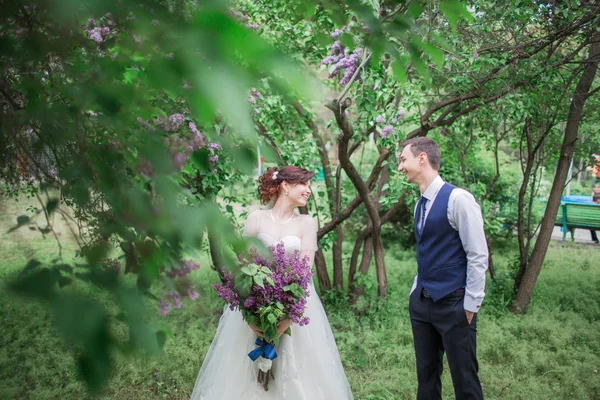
(455, 10)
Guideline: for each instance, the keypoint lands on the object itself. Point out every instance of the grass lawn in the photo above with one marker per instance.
(553, 352)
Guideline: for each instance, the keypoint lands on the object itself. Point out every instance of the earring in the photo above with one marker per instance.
(286, 192)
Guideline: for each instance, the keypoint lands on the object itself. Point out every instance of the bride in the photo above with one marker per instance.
(308, 365)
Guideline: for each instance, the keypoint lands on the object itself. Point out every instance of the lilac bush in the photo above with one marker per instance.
(343, 60)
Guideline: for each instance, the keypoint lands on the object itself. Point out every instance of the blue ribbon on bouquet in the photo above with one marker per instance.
(267, 350)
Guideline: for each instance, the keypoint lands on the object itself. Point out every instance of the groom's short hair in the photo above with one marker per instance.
(425, 145)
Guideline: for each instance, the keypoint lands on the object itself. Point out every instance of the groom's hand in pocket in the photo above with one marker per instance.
(470, 315)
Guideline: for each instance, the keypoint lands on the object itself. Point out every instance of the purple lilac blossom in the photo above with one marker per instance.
(338, 32)
(197, 136)
(379, 119)
(387, 131)
(193, 293)
(180, 159)
(225, 291)
(172, 123)
(337, 47)
(185, 267)
(146, 169)
(175, 300)
(163, 307)
(96, 35)
(213, 146)
(401, 113)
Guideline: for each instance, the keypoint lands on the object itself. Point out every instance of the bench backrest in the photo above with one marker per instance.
(579, 214)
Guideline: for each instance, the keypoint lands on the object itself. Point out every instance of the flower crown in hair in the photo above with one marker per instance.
(275, 175)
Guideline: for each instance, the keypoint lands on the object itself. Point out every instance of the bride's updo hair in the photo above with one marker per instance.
(270, 181)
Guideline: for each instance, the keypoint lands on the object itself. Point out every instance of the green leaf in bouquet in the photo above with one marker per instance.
(250, 317)
(250, 269)
(270, 333)
(270, 281)
(259, 281)
(288, 331)
(266, 270)
(246, 271)
(272, 318)
(279, 305)
(243, 285)
(295, 289)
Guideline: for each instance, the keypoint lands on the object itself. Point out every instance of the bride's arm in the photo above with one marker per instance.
(309, 239)
(251, 225)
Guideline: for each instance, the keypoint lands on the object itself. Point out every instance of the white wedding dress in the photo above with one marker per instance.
(308, 365)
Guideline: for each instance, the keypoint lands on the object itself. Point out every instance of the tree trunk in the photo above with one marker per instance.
(338, 266)
(333, 202)
(491, 268)
(566, 153)
(522, 236)
(365, 263)
(360, 242)
(322, 275)
(363, 191)
(338, 272)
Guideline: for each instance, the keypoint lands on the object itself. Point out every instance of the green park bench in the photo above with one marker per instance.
(573, 215)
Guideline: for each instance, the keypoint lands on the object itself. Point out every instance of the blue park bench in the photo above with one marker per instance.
(577, 212)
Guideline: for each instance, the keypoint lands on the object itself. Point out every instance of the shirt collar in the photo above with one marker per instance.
(433, 188)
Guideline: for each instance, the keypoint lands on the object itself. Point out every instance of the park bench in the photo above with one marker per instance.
(577, 212)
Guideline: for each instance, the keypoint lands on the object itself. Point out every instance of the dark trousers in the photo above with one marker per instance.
(594, 236)
(443, 327)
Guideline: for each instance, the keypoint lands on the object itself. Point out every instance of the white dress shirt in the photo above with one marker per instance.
(464, 215)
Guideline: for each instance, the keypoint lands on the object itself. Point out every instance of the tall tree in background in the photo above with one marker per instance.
(583, 91)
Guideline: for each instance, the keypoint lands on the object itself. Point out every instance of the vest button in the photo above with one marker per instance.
(420, 255)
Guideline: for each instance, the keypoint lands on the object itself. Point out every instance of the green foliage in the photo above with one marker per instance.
(552, 352)
(135, 115)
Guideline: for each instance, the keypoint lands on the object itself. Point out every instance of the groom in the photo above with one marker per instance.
(452, 258)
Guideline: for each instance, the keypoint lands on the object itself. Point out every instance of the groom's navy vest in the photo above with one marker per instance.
(441, 258)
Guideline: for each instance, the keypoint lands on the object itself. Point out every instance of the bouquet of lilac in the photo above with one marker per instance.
(266, 291)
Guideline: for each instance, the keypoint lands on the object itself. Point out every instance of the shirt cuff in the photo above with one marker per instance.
(472, 303)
